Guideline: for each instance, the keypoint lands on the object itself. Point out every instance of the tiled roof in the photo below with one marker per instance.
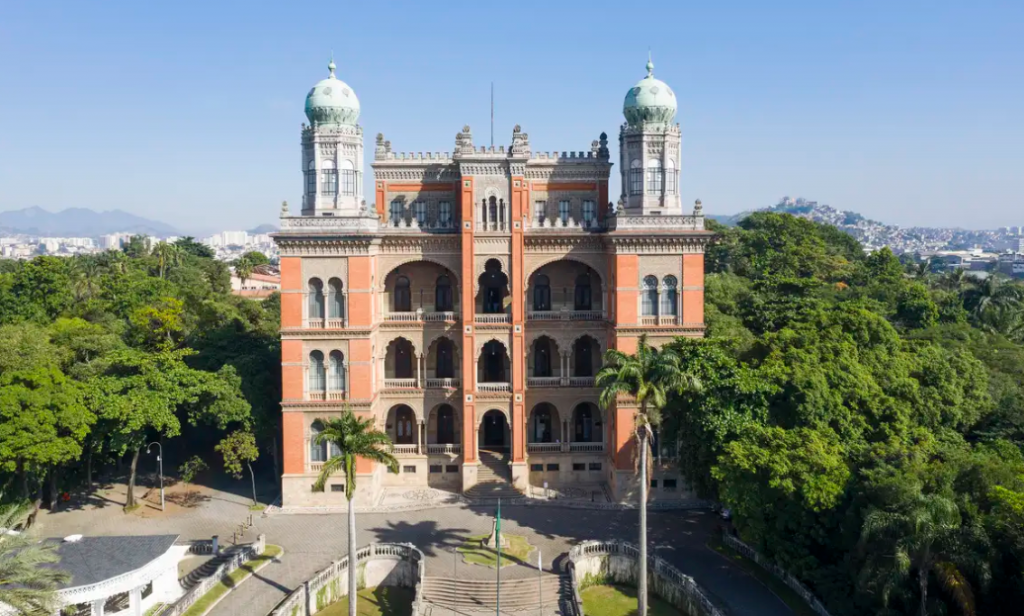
(94, 559)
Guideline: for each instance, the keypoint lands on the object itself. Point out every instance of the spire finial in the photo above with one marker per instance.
(650, 64)
(330, 65)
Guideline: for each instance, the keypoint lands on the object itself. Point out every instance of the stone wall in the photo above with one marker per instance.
(616, 562)
(377, 564)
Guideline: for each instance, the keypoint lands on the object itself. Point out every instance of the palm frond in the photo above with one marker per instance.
(956, 586)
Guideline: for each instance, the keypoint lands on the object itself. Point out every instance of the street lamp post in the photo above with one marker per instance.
(160, 461)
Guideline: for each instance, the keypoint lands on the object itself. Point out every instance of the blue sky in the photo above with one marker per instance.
(909, 112)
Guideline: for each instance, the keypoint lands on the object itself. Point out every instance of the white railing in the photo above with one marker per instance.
(586, 447)
(402, 317)
(314, 323)
(336, 395)
(543, 381)
(439, 316)
(335, 323)
(493, 318)
(406, 450)
(581, 381)
(677, 588)
(564, 315)
(240, 556)
(316, 395)
(651, 320)
(400, 383)
(307, 597)
(543, 447)
(316, 467)
(442, 383)
(662, 319)
(449, 449)
(494, 387)
(557, 223)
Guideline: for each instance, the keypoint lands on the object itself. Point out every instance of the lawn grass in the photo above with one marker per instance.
(475, 553)
(235, 578)
(376, 601)
(602, 600)
(257, 507)
(794, 601)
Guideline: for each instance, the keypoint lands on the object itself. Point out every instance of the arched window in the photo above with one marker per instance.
(316, 298)
(493, 285)
(403, 295)
(583, 424)
(493, 361)
(317, 377)
(671, 177)
(649, 300)
(445, 425)
(317, 452)
(492, 210)
(405, 425)
(348, 178)
(336, 375)
(655, 177)
(669, 293)
(542, 357)
(583, 295)
(444, 367)
(542, 426)
(636, 177)
(443, 298)
(583, 354)
(311, 178)
(403, 359)
(541, 293)
(335, 300)
(329, 182)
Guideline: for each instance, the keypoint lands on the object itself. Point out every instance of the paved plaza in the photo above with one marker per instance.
(312, 541)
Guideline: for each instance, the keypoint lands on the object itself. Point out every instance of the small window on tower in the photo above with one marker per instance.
(396, 213)
(444, 213)
(329, 185)
(563, 211)
(420, 207)
(589, 213)
(636, 177)
(540, 211)
(348, 179)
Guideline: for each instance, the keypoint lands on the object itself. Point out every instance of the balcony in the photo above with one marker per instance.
(580, 381)
(565, 447)
(444, 449)
(664, 319)
(316, 467)
(333, 394)
(406, 450)
(442, 383)
(335, 323)
(420, 316)
(543, 381)
(488, 319)
(564, 315)
(401, 384)
(494, 387)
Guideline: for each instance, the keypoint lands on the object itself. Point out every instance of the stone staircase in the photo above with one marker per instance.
(494, 478)
(204, 570)
(543, 595)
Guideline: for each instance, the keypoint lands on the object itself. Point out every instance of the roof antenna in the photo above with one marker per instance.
(492, 114)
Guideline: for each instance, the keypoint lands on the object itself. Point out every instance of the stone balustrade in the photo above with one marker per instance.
(492, 318)
(450, 449)
(564, 315)
(391, 564)
(494, 387)
(447, 383)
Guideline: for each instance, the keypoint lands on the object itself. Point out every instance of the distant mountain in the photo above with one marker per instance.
(79, 222)
(874, 234)
(262, 229)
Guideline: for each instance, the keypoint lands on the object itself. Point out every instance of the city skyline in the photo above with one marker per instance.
(917, 127)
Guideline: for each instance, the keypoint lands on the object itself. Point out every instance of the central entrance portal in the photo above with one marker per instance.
(494, 431)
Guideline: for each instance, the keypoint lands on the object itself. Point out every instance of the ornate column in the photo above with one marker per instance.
(344, 308)
(420, 368)
(564, 372)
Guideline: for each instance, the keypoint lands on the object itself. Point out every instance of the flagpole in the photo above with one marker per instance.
(497, 542)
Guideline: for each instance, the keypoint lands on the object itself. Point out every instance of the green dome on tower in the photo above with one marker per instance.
(650, 101)
(332, 102)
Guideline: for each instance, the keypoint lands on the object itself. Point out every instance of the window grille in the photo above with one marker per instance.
(348, 182)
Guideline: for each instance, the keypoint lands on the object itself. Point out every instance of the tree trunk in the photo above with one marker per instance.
(253, 476)
(54, 493)
(274, 456)
(353, 566)
(922, 578)
(642, 575)
(88, 470)
(130, 500)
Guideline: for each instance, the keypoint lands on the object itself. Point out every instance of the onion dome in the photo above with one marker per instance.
(332, 102)
(650, 101)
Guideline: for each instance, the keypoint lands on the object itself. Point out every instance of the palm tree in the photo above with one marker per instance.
(167, 255)
(244, 268)
(352, 438)
(648, 376)
(989, 301)
(926, 538)
(954, 280)
(25, 583)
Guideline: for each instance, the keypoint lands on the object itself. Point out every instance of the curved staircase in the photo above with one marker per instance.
(542, 595)
(494, 478)
(205, 570)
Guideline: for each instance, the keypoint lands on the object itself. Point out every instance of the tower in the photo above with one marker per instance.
(649, 145)
(332, 150)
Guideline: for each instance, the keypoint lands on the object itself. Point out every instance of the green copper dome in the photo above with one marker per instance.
(650, 101)
(332, 102)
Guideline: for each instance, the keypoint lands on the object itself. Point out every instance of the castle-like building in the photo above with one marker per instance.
(466, 305)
